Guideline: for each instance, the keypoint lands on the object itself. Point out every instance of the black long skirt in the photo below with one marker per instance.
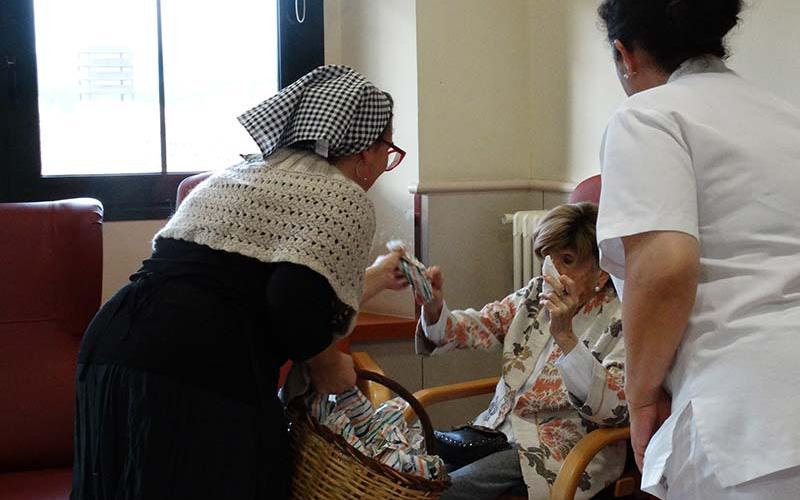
(149, 436)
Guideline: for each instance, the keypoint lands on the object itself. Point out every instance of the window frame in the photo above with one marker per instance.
(124, 196)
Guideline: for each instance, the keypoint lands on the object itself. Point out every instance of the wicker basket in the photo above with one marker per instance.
(326, 467)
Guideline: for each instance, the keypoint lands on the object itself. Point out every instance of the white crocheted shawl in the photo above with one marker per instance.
(294, 207)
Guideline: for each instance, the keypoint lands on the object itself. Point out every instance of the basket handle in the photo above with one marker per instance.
(424, 419)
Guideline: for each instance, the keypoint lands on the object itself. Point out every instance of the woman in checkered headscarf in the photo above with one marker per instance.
(262, 263)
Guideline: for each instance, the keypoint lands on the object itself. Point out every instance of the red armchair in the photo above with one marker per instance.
(587, 190)
(189, 183)
(51, 261)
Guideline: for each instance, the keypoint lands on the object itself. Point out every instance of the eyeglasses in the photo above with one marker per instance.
(396, 154)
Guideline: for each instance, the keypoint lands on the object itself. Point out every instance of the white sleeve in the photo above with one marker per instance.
(576, 368)
(648, 180)
(435, 332)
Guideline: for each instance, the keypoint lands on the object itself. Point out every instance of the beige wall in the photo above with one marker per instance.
(474, 120)
(548, 90)
(513, 90)
(593, 89)
(573, 87)
(125, 245)
(766, 46)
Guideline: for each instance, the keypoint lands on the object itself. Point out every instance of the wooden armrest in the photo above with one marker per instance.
(376, 393)
(460, 390)
(569, 476)
(452, 392)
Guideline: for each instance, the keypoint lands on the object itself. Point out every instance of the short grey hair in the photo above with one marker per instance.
(572, 226)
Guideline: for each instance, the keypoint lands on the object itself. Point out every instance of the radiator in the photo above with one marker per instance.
(526, 265)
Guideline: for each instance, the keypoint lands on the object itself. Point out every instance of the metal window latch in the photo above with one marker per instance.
(11, 79)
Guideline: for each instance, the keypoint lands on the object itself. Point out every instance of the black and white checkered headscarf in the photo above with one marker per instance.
(333, 107)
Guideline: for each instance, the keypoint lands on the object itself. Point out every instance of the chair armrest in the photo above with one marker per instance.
(452, 392)
(376, 393)
(569, 476)
(460, 390)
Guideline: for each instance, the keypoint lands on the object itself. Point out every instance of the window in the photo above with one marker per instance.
(122, 99)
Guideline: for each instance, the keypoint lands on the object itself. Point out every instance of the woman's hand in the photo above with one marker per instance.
(332, 371)
(646, 418)
(433, 309)
(563, 304)
(384, 274)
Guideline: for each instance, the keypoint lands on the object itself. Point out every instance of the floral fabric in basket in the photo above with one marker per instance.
(381, 434)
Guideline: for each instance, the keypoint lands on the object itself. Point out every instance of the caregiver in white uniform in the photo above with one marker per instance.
(700, 216)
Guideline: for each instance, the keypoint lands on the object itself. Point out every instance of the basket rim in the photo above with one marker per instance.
(298, 414)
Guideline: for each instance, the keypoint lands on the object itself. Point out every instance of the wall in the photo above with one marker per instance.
(593, 91)
(518, 90)
(573, 88)
(548, 90)
(474, 117)
(125, 245)
(766, 46)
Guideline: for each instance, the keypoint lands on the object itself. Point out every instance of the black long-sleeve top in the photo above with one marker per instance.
(219, 320)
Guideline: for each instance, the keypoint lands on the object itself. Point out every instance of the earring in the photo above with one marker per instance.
(596, 289)
(626, 75)
(362, 177)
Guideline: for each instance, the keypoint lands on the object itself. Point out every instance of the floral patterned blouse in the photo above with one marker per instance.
(545, 418)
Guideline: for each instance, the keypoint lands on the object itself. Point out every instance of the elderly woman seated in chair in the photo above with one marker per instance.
(562, 368)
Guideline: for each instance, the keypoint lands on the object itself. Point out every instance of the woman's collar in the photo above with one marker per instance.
(702, 64)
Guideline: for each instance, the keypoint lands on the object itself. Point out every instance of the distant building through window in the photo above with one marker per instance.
(104, 72)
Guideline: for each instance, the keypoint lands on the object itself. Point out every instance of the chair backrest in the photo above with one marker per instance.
(188, 184)
(587, 190)
(51, 262)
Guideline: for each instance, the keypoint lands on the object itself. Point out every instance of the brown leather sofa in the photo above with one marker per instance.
(51, 262)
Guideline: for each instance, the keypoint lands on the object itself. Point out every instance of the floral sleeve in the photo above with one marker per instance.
(605, 405)
(471, 329)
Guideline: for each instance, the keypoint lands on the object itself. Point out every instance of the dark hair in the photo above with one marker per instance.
(572, 226)
(671, 31)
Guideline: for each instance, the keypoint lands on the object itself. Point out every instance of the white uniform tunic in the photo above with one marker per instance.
(710, 155)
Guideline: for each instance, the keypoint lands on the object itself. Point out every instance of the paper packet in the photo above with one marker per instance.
(414, 271)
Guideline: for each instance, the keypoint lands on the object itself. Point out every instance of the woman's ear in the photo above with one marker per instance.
(602, 279)
(366, 155)
(629, 58)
